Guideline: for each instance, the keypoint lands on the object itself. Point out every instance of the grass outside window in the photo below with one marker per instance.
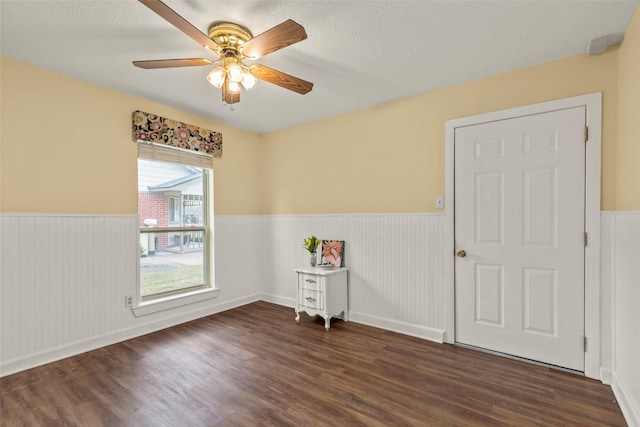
(169, 280)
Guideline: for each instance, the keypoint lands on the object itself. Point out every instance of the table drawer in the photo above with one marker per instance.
(310, 282)
(311, 299)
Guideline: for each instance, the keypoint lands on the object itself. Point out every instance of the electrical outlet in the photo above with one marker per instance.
(439, 202)
(128, 301)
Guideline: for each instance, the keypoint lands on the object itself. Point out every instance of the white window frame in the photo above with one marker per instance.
(191, 295)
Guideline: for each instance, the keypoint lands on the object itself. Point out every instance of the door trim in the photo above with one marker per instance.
(593, 104)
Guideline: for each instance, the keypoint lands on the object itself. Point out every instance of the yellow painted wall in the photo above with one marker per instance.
(390, 158)
(65, 147)
(628, 147)
(65, 144)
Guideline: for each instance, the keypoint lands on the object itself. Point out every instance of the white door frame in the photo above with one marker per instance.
(593, 104)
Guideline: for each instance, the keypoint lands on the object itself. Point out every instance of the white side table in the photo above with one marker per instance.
(322, 292)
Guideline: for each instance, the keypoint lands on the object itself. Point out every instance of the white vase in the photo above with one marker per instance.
(313, 260)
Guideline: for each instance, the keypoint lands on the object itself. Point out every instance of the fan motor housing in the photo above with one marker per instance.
(228, 35)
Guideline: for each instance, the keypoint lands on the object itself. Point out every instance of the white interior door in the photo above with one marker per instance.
(519, 216)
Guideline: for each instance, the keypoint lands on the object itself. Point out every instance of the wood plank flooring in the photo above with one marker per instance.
(254, 366)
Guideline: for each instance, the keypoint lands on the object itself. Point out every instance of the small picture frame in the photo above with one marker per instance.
(333, 253)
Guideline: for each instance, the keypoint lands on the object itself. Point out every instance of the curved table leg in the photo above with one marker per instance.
(297, 316)
(327, 322)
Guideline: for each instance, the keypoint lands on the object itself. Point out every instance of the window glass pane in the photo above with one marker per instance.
(167, 265)
(171, 195)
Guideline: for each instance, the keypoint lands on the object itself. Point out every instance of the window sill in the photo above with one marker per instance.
(173, 301)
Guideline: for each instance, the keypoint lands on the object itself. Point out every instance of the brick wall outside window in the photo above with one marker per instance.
(155, 206)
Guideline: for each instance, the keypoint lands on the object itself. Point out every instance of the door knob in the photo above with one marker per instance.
(461, 253)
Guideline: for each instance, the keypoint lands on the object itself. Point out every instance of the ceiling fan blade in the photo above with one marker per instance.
(180, 23)
(229, 97)
(278, 37)
(281, 79)
(171, 63)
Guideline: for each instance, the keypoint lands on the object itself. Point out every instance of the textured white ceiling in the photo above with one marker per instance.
(358, 53)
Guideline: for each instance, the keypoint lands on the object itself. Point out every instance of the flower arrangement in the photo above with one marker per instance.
(311, 244)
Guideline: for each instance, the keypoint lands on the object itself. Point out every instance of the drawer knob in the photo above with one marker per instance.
(310, 281)
(310, 299)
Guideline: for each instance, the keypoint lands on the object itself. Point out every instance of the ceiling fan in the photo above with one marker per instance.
(233, 43)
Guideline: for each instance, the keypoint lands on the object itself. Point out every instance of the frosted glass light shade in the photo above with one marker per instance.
(233, 87)
(235, 73)
(248, 80)
(217, 76)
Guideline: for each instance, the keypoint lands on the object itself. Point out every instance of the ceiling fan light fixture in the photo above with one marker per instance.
(248, 79)
(233, 43)
(217, 76)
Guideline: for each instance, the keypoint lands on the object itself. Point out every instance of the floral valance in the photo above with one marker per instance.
(160, 130)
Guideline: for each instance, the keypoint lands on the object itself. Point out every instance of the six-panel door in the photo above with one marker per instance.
(519, 218)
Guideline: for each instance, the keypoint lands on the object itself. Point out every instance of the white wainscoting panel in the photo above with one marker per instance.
(625, 277)
(238, 251)
(606, 291)
(64, 278)
(395, 265)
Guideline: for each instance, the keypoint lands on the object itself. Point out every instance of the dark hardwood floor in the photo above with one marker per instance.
(254, 366)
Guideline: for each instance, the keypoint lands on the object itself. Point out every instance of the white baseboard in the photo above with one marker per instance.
(628, 406)
(606, 376)
(13, 366)
(418, 331)
(275, 299)
(378, 322)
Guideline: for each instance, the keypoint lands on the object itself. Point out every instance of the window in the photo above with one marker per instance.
(174, 211)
